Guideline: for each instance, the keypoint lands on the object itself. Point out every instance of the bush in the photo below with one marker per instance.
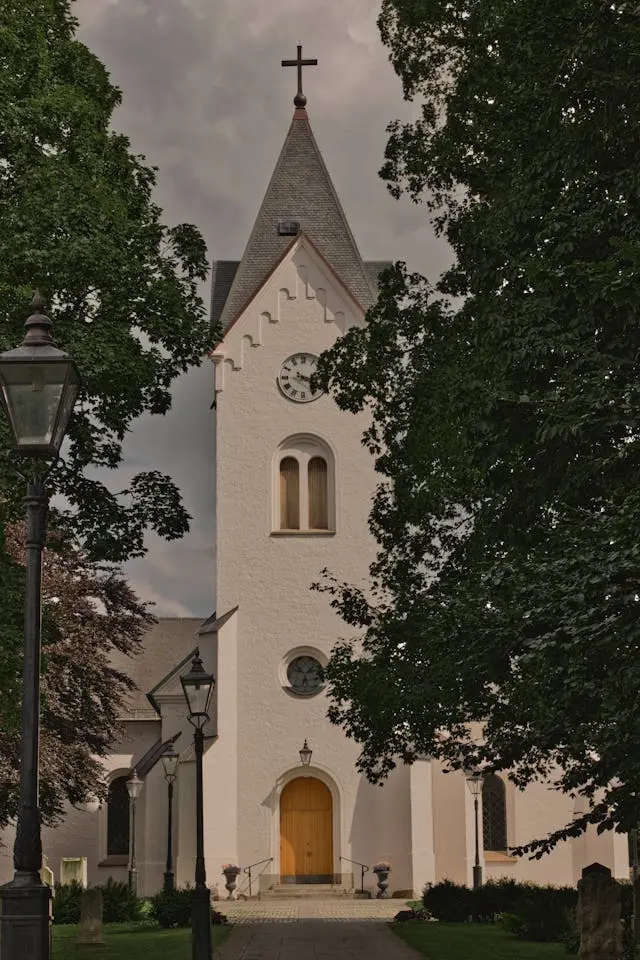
(545, 914)
(172, 908)
(119, 903)
(528, 911)
(493, 899)
(447, 901)
(66, 903)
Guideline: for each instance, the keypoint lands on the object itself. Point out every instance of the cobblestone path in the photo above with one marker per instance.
(313, 930)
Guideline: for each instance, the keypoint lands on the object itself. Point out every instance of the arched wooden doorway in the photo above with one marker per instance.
(306, 832)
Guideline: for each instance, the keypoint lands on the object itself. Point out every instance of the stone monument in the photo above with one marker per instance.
(73, 869)
(46, 875)
(91, 917)
(598, 914)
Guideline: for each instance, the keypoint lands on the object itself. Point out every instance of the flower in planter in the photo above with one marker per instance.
(382, 867)
(230, 868)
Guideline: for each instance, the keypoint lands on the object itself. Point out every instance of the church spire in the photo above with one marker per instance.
(301, 197)
(300, 100)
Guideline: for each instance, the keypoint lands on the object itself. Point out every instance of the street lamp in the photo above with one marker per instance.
(474, 782)
(134, 789)
(305, 754)
(170, 763)
(197, 686)
(39, 385)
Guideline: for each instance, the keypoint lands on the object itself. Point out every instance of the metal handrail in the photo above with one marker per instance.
(364, 869)
(248, 869)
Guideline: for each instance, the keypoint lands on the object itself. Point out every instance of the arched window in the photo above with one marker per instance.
(318, 494)
(304, 486)
(118, 818)
(494, 813)
(289, 494)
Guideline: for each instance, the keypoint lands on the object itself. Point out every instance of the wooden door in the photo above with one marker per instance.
(306, 832)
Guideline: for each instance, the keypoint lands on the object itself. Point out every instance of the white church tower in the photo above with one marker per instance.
(293, 494)
(293, 488)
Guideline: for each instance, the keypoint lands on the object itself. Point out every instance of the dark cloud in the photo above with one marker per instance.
(206, 100)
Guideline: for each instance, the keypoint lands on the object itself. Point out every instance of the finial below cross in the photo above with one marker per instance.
(299, 99)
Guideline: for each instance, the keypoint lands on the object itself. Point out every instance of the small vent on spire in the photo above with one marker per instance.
(288, 228)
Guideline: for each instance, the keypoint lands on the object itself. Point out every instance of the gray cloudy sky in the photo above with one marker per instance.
(206, 100)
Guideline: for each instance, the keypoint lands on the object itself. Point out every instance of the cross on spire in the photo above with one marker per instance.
(299, 99)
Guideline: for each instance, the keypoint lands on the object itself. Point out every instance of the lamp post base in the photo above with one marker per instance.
(477, 876)
(133, 881)
(200, 924)
(169, 881)
(25, 921)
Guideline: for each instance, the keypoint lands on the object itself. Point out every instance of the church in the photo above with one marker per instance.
(293, 486)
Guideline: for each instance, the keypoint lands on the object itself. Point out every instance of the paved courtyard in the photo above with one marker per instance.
(336, 929)
(290, 911)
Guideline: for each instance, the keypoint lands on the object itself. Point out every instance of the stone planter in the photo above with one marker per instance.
(230, 878)
(382, 876)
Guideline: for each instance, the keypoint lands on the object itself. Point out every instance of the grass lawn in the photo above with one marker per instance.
(130, 941)
(461, 941)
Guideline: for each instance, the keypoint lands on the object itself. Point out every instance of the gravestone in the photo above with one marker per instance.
(73, 869)
(598, 914)
(91, 917)
(46, 875)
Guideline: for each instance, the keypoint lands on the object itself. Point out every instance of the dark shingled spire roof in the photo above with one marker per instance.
(300, 190)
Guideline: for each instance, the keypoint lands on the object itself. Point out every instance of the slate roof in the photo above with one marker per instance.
(224, 271)
(300, 189)
(166, 643)
(374, 268)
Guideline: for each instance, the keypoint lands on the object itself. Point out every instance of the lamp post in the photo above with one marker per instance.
(305, 754)
(474, 782)
(39, 385)
(170, 764)
(197, 686)
(134, 789)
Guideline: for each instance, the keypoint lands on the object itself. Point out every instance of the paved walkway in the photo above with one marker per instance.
(313, 930)
(290, 911)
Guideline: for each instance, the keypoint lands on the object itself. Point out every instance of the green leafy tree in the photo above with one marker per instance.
(89, 611)
(505, 406)
(77, 220)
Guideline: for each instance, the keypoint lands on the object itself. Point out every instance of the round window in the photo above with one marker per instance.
(305, 675)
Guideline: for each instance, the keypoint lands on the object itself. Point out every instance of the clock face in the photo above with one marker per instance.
(304, 675)
(295, 376)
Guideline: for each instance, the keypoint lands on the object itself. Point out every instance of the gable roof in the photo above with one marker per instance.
(223, 272)
(148, 760)
(300, 189)
(210, 625)
(167, 640)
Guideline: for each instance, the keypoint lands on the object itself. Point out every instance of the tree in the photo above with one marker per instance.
(77, 219)
(89, 612)
(505, 410)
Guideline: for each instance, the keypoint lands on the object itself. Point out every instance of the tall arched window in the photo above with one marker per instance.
(289, 494)
(118, 818)
(304, 486)
(494, 813)
(318, 494)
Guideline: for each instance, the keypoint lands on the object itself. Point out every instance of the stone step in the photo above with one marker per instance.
(306, 891)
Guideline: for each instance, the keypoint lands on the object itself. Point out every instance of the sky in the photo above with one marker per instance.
(206, 100)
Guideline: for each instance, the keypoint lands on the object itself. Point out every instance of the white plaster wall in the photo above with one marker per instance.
(422, 825)
(449, 792)
(270, 576)
(221, 759)
(82, 832)
(393, 829)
